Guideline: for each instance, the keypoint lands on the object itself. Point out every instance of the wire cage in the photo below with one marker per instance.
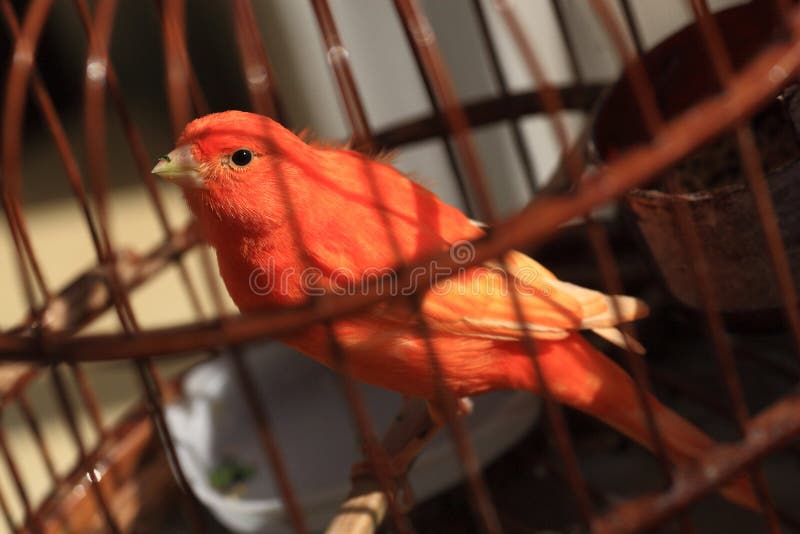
(124, 475)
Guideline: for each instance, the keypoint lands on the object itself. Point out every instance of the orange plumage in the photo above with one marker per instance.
(270, 203)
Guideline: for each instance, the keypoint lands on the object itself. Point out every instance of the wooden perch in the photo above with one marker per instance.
(365, 507)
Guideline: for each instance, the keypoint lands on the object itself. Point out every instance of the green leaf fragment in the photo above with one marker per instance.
(229, 474)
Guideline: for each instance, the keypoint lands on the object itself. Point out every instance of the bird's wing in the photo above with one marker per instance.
(475, 301)
(483, 301)
(600, 312)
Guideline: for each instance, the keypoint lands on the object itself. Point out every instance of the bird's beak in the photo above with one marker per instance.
(180, 167)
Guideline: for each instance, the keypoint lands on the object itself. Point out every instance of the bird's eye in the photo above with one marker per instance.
(242, 157)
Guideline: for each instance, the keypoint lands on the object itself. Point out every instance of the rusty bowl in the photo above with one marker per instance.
(713, 186)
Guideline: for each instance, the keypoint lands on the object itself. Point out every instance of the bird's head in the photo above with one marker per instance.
(229, 164)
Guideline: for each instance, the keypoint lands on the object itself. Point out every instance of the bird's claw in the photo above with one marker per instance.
(464, 406)
(396, 473)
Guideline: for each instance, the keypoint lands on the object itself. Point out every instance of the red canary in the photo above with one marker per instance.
(288, 219)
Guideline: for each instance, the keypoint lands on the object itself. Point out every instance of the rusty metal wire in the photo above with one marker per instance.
(647, 104)
(532, 226)
(48, 336)
(646, 100)
(771, 429)
(601, 247)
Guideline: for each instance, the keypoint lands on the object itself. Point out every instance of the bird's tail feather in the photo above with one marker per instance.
(580, 376)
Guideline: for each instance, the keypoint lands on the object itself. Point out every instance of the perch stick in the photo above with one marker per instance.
(364, 509)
